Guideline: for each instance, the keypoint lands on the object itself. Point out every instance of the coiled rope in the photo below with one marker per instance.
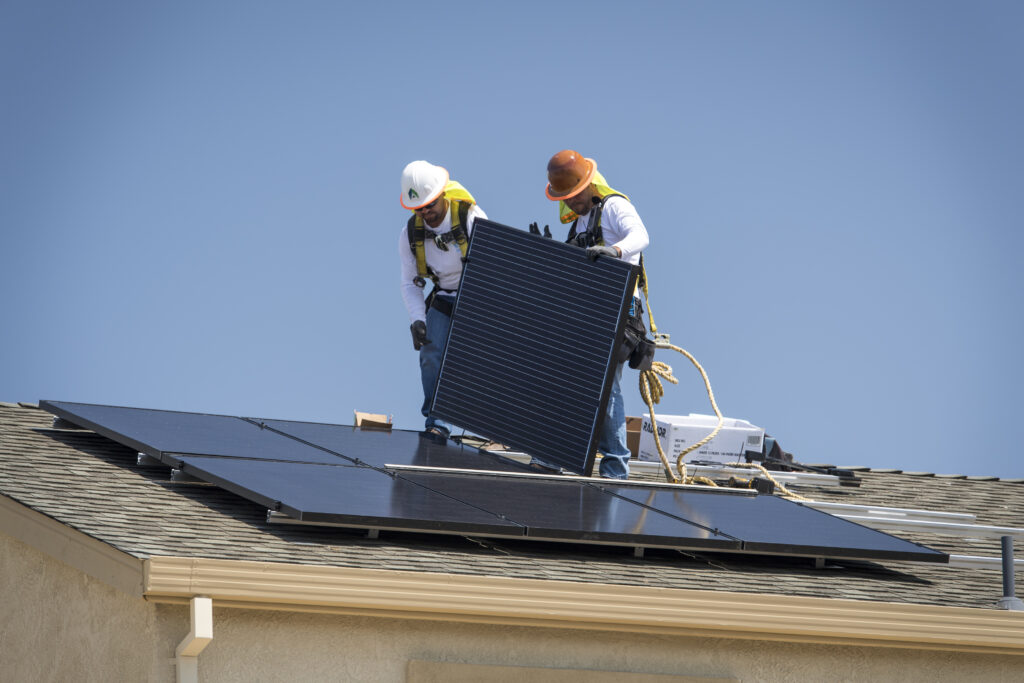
(652, 390)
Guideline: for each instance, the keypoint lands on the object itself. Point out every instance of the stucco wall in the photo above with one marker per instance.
(58, 624)
(276, 646)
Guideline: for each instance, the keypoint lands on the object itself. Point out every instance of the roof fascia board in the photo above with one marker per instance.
(86, 554)
(561, 604)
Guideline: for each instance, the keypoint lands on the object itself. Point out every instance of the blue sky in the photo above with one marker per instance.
(199, 201)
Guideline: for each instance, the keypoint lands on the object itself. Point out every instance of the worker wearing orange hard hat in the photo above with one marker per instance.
(606, 224)
(433, 246)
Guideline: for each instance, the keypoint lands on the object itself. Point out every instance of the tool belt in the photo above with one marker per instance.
(636, 347)
(440, 303)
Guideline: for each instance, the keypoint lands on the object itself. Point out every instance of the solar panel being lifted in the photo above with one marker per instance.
(530, 353)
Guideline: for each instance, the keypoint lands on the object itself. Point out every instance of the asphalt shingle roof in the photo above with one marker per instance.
(95, 485)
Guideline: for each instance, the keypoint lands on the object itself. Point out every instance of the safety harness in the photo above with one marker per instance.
(417, 234)
(635, 346)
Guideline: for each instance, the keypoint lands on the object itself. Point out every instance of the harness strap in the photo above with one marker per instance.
(597, 235)
(416, 231)
(594, 222)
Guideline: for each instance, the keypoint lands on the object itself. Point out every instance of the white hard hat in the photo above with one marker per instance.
(422, 182)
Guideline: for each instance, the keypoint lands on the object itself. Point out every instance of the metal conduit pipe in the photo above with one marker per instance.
(186, 656)
(1009, 600)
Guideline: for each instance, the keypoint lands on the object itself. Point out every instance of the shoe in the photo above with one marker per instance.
(434, 431)
(544, 469)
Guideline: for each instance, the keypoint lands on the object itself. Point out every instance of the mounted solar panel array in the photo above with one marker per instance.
(529, 360)
(398, 480)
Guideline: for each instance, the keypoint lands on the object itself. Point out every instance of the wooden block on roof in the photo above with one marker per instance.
(373, 420)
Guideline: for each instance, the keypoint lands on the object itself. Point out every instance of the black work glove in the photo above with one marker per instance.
(594, 252)
(419, 334)
(534, 230)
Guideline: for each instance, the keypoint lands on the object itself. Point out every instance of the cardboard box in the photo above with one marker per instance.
(678, 432)
(373, 420)
(633, 425)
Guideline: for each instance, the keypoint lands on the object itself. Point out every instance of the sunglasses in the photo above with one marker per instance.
(431, 205)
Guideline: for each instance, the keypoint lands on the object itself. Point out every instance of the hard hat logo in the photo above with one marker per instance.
(422, 183)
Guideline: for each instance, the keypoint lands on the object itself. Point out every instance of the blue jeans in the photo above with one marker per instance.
(430, 361)
(612, 440)
(612, 443)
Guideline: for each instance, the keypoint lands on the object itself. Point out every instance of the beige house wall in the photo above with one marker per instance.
(61, 624)
(260, 645)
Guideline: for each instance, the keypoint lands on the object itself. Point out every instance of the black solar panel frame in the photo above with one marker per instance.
(512, 270)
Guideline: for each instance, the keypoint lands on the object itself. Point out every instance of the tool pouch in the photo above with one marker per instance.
(636, 347)
(643, 355)
(441, 303)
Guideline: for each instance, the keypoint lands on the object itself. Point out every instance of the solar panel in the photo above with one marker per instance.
(346, 495)
(378, 448)
(164, 434)
(570, 510)
(772, 525)
(530, 353)
(161, 432)
(390, 480)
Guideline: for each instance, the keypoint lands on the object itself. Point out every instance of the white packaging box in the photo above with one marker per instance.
(678, 432)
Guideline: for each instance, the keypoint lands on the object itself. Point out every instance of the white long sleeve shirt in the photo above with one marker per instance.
(621, 227)
(446, 264)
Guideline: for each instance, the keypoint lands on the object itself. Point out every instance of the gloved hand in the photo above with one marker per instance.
(594, 252)
(534, 230)
(419, 334)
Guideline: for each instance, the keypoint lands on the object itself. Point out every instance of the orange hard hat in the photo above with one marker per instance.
(569, 172)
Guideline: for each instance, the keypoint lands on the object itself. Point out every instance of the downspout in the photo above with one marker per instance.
(186, 656)
(1009, 600)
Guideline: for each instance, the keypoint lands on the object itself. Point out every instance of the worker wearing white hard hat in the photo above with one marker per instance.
(432, 247)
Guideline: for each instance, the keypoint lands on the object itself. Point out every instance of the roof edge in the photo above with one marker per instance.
(72, 547)
(585, 606)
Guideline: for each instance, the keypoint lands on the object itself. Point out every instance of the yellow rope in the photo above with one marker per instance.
(647, 298)
(651, 389)
(768, 475)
